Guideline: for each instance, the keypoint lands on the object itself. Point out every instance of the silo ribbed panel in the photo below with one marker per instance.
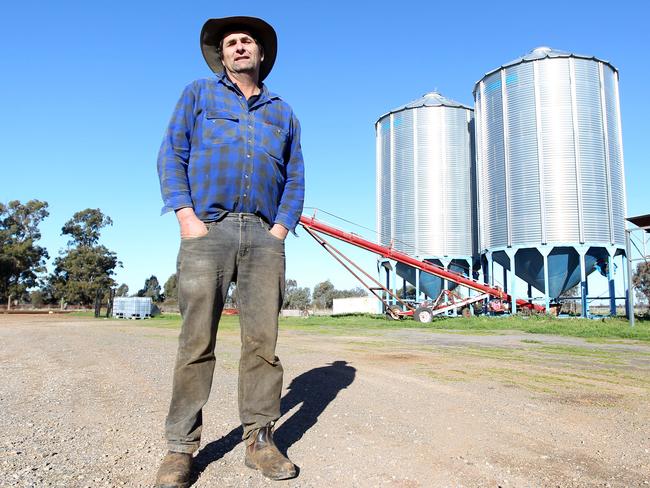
(383, 182)
(615, 153)
(403, 195)
(523, 151)
(491, 160)
(558, 152)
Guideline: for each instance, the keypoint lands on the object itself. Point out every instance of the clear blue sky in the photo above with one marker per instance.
(87, 89)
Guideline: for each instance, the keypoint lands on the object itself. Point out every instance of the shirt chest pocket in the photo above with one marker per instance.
(220, 127)
(273, 140)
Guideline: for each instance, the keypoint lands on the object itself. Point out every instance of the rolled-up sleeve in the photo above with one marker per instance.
(174, 154)
(293, 196)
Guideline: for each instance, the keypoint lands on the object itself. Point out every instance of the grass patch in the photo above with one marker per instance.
(574, 351)
(596, 330)
(610, 328)
(500, 353)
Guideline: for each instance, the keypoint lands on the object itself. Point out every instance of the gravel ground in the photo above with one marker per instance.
(83, 404)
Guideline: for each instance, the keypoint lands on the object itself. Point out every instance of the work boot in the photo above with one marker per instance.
(262, 454)
(174, 471)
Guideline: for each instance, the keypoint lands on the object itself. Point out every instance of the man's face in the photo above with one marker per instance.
(240, 53)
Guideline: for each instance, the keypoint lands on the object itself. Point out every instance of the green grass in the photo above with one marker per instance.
(614, 328)
(363, 324)
(574, 351)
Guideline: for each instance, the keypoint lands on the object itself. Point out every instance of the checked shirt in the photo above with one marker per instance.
(220, 155)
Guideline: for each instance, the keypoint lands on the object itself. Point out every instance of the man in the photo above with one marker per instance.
(231, 168)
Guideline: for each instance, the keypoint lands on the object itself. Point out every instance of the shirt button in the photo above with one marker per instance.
(250, 140)
(245, 176)
(250, 126)
(248, 155)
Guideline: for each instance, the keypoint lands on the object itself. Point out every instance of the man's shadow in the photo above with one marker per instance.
(314, 389)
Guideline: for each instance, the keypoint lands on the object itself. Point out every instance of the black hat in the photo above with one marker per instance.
(214, 30)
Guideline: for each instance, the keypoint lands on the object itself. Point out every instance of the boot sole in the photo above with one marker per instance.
(279, 477)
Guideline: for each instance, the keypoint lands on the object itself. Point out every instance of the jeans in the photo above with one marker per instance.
(239, 248)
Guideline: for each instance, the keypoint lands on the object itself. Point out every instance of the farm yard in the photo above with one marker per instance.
(367, 402)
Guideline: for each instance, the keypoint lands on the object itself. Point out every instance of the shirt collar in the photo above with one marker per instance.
(264, 96)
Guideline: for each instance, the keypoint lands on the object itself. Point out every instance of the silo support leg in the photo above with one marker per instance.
(612, 286)
(513, 278)
(583, 286)
(491, 269)
(629, 292)
(547, 297)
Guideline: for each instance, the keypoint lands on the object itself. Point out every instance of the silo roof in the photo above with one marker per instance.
(544, 52)
(430, 99)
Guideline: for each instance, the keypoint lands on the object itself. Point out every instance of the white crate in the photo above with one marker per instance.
(132, 307)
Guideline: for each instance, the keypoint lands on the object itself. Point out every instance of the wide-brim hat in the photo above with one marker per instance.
(214, 30)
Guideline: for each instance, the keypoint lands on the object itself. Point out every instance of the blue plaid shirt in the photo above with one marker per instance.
(218, 155)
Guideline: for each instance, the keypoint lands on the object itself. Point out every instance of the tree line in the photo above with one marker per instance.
(84, 270)
(295, 297)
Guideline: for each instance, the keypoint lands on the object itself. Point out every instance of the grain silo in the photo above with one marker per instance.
(550, 170)
(426, 186)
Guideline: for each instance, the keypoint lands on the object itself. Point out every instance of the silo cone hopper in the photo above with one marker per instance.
(429, 285)
(563, 267)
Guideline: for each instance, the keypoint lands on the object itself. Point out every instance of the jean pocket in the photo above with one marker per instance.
(267, 230)
(194, 238)
(208, 226)
(274, 237)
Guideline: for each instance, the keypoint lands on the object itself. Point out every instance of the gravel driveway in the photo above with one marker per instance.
(83, 404)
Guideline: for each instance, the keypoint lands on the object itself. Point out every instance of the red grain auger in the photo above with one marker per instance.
(497, 299)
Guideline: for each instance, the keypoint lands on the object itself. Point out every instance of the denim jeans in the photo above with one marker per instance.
(239, 248)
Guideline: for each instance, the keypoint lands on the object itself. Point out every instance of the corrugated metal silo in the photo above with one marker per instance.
(550, 165)
(425, 184)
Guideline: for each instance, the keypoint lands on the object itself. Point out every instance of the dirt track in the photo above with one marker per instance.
(83, 404)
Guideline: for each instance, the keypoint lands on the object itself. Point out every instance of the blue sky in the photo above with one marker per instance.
(87, 89)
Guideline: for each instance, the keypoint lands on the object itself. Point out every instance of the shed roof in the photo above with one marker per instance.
(642, 221)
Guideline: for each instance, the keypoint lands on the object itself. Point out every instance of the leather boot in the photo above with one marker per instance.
(263, 455)
(174, 471)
